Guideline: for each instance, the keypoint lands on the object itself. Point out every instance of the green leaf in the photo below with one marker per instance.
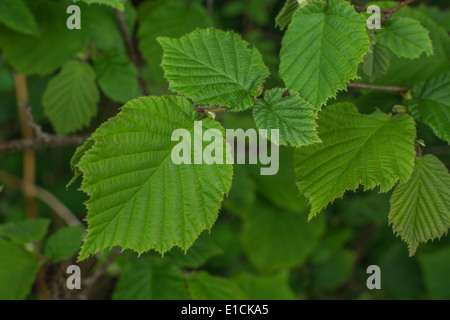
(64, 243)
(140, 199)
(16, 15)
(322, 48)
(17, 271)
(166, 18)
(372, 150)
(117, 76)
(376, 62)
(70, 100)
(405, 37)
(203, 250)
(151, 280)
(420, 208)
(116, 4)
(204, 286)
(431, 104)
(26, 231)
(43, 55)
(287, 112)
(266, 287)
(276, 239)
(214, 67)
(435, 266)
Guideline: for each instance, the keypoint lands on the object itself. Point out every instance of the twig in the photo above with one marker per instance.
(377, 87)
(29, 163)
(45, 196)
(130, 48)
(46, 141)
(389, 11)
(210, 7)
(212, 109)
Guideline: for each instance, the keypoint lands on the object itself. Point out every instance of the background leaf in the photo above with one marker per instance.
(431, 104)
(151, 280)
(17, 271)
(26, 231)
(117, 76)
(204, 286)
(64, 243)
(71, 97)
(16, 15)
(40, 55)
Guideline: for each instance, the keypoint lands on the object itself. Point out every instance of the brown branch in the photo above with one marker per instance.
(45, 196)
(130, 48)
(377, 87)
(210, 7)
(29, 157)
(89, 282)
(47, 141)
(389, 11)
(212, 109)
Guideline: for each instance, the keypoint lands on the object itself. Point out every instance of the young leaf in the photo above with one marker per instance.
(284, 17)
(79, 153)
(64, 243)
(16, 15)
(151, 280)
(431, 104)
(372, 150)
(420, 208)
(204, 286)
(17, 271)
(276, 239)
(117, 76)
(214, 67)
(26, 231)
(116, 4)
(71, 97)
(45, 54)
(405, 37)
(287, 112)
(166, 18)
(322, 48)
(376, 62)
(140, 199)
